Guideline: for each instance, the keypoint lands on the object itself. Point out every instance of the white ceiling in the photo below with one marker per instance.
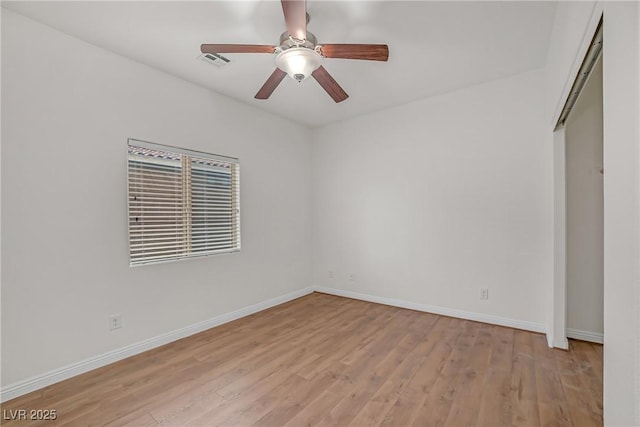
(435, 47)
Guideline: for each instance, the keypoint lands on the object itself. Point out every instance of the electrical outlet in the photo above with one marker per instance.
(352, 277)
(484, 293)
(115, 322)
(331, 274)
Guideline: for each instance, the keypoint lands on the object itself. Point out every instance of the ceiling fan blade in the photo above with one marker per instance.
(327, 82)
(295, 15)
(237, 48)
(271, 84)
(371, 52)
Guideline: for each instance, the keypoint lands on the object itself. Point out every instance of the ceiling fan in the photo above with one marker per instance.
(299, 55)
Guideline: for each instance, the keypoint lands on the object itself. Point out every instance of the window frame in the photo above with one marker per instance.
(187, 213)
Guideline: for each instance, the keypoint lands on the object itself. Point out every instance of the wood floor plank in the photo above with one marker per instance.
(292, 402)
(323, 360)
(495, 406)
(401, 364)
(574, 375)
(364, 375)
(439, 400)
(472, 381)
(524, 402)
(313, 413)
(588, 357)
(406, 407)
(552, 405)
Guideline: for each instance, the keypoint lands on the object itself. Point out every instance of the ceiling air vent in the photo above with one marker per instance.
(215, 59)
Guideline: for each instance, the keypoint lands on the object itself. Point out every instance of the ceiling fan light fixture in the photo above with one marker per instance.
(298, 62)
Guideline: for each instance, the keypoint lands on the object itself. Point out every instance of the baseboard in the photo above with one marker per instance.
(468, 315)
(578, 334)
(39, 381)
(549, 339)
(551, 342)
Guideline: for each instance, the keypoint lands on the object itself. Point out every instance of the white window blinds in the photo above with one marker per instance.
(182, 203)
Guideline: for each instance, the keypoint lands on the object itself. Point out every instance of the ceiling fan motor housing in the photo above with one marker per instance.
(286, 41)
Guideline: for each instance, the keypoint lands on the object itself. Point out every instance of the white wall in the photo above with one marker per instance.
(585, 216)
(575, 23)
(431, 201)
(67, 111)
(621, 88)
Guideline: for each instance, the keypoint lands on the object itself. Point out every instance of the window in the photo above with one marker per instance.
(182, 203)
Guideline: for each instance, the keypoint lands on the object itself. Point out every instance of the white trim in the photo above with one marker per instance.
(39, 381)
(478, 317)
(637, 168)
(559, 291)
(578, 334)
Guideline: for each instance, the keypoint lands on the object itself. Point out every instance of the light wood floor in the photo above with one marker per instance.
(326, 360)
